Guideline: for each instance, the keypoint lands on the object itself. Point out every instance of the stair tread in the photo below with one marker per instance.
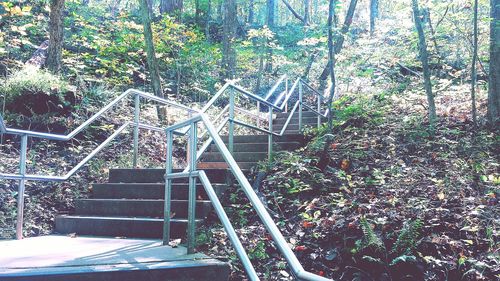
(122, 218)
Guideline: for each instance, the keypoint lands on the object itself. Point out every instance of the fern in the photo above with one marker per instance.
(370, 238)
(407, 238)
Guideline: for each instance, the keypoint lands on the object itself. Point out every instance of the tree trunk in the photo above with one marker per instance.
(251, 11)
(56, 36)
(307, 12)
(494, 83)
(150, 53)
(172, 7)
(208, 18)
(324, 159)
(340, 38)
(425, 63)
(230, 25)
(197, 11)
(474, 62)
(295, 14)
(271, 13)
(373, 15)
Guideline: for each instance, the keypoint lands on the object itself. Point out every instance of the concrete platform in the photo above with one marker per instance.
(93, 258)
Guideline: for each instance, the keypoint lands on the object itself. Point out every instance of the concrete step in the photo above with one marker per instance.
(63, 258)
(244, 166)
(295, 120)
(137, 208)
(154, 176)
(287, 137)
(148, 190)
(293, 127)
(238, 156)
(260, 147)
(139, 227)
(296, 113)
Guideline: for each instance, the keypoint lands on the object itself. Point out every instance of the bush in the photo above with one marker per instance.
(31, 91)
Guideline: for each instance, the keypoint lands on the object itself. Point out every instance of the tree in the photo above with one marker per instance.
(171, 7)
(229, 33)
(307, 12)
(494, 80)
(150, 52)
(474, 62)
(431, 107)
(304, 20)
(251, 11)
(373, 15)
(271, 13)
(56, 36)
(340, 38)
(331, 60)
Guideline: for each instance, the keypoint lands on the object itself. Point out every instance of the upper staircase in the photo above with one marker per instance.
(131, 203)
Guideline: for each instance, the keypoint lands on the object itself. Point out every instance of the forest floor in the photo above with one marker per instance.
(395, 201)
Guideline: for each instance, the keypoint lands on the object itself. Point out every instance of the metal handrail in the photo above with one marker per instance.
(193, 156)
(258, 206)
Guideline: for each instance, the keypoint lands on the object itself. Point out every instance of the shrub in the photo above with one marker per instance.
(31, 91)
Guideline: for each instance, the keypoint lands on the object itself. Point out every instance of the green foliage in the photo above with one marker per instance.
(408, 238)
(370, 238)
(258, 252)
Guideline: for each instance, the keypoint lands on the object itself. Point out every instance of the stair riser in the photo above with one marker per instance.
(296, 114)
(154, 176)
(307, 121)
(200, 272)
(293, 127)
(137, 208)
(264, 138)
(239, 157)
(259, 147)
(119, 228)
(148, 191)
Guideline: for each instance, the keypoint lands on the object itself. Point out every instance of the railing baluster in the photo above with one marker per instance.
(20, 193)
(168, 189)
(319, 110)
(270, 136)
(136, 129)
(231, 121)
(300, 105)
(192, 189)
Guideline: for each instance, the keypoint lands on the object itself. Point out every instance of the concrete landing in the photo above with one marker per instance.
(93, 258)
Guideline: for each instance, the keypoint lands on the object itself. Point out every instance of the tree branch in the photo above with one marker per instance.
(299, 17)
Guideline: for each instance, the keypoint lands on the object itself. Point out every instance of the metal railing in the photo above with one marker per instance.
(280, 104)
(192, 173)
(22, 176)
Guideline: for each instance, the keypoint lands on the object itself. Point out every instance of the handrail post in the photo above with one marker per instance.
(300, 105)
(319, 110)
(286, 91)
(258, 113)
(20, 193)
(231, 121)
(270, 136)
(168, 189)
(192, 189)
(136, 129)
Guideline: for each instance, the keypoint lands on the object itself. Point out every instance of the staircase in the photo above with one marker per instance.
(131, 203)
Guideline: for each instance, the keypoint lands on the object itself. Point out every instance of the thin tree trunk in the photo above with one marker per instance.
(271, 13)
(324, 159)
(172, 8)
(150, 53)
(208, 18)
(340, 38)
(56, 36)
(494, 82)
(373, 15)
(197, 11)
(229, 33)
(425, 63)
(307, 12)
(299, 17)
(251, 11)
(474, 69)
